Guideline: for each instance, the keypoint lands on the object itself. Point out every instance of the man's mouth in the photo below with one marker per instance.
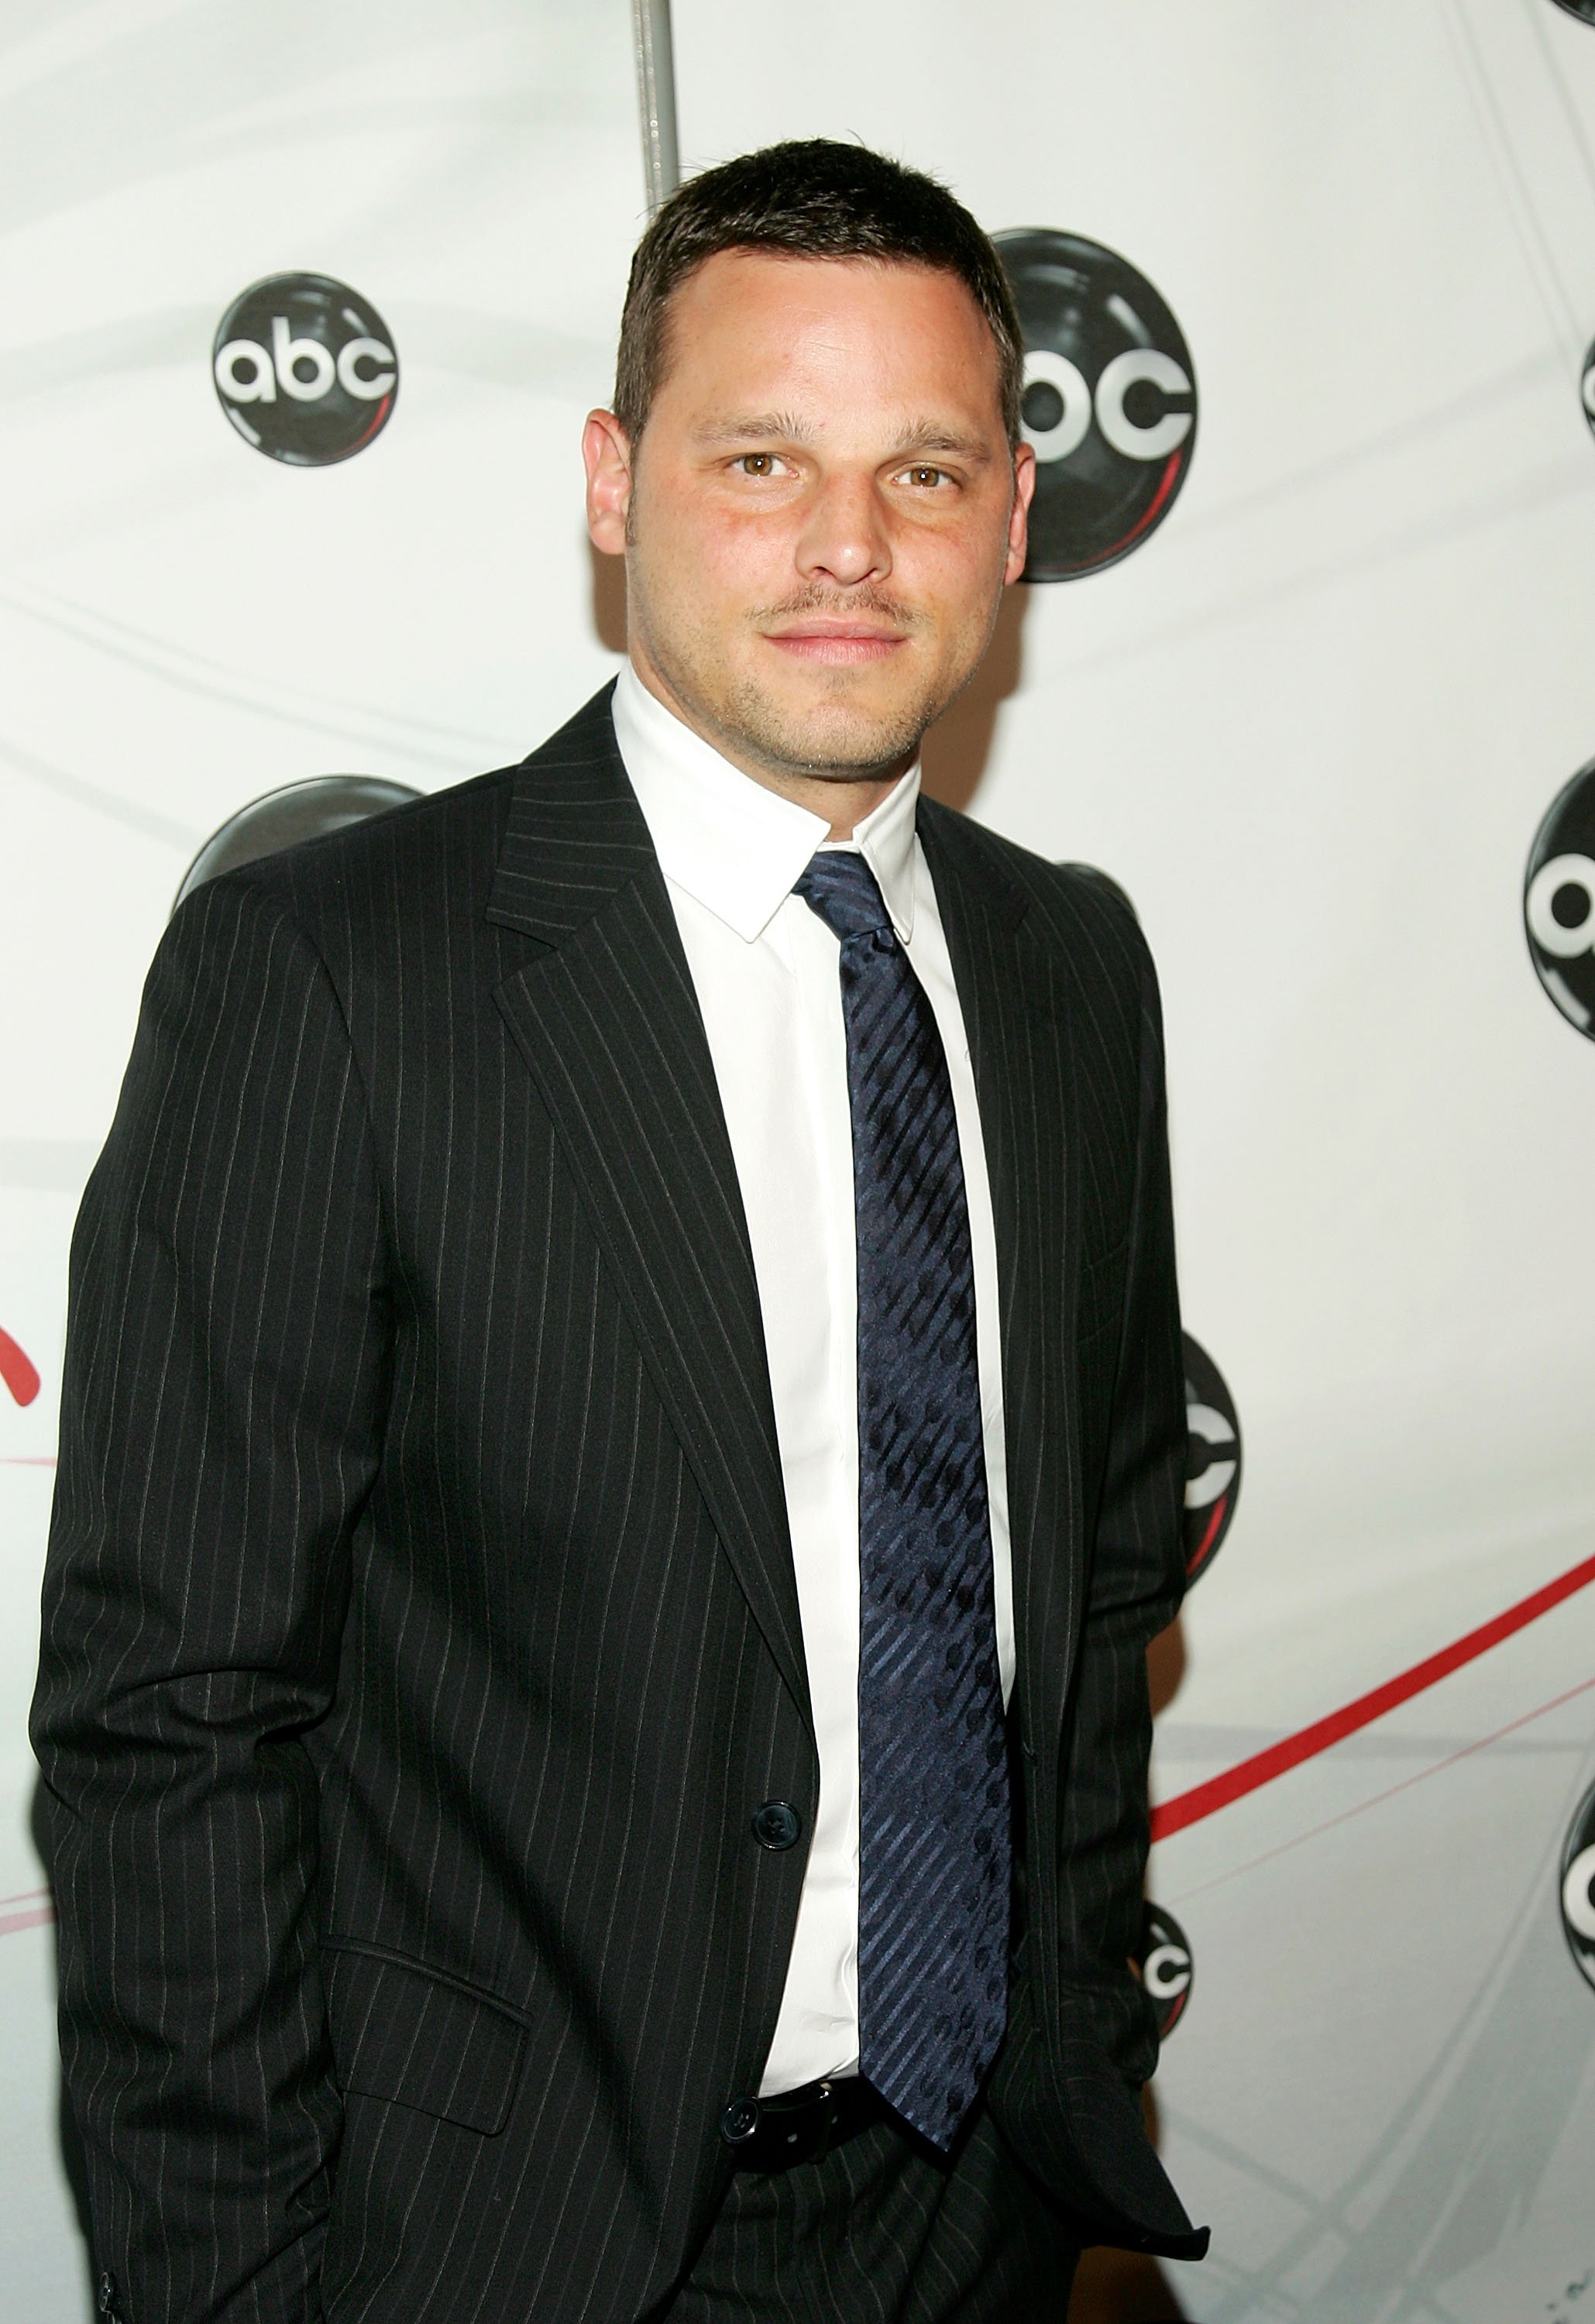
(842, 643)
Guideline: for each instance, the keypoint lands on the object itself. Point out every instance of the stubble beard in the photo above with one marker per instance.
(835, 740)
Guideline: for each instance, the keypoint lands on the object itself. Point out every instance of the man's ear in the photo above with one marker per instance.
(1024, 485)
(607, 457)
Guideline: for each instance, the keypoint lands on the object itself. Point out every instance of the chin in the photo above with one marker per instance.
(825, 738)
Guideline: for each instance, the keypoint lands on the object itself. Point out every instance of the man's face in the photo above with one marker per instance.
(821, 513)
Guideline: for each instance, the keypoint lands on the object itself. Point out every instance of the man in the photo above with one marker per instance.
(623, 1433)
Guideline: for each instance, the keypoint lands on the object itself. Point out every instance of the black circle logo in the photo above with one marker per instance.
(307, 810)
(304, 369)
(1164, 1961)
(1587, 377)
(1213, 1458)
(1110, 402)
(1578, 1886)
(1559, 900)
(1584, 10)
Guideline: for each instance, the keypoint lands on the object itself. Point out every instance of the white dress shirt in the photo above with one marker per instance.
(766, 970)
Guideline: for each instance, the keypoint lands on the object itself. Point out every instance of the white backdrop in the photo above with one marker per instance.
(1311, 726)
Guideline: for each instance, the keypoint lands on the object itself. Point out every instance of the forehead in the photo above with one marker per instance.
(763, 330)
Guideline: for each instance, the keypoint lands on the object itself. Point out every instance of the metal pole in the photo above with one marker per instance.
(656, 92)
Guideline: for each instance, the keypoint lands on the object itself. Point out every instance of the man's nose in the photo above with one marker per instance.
(844, 538)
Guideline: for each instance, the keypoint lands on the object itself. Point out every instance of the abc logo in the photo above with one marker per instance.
(304, 369)
(1110, 401)
(1213, 1458)
(1558, 901)
(1584, 10)
(1164, 1960)
(1578, 1886)
(1587, 377)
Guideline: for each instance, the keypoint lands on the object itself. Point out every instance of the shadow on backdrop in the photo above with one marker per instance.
(608, 600)
(1166, 1665)
(959, 745)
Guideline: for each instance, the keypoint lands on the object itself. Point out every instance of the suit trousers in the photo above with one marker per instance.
(884, 2230)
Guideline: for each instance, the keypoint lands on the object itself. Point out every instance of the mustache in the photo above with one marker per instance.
(841, 603)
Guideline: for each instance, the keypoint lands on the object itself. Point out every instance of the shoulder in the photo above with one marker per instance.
(1079, 914)
(390, 866)
(417, 875)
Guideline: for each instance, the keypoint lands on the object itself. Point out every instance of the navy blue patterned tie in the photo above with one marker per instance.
(933, 1836)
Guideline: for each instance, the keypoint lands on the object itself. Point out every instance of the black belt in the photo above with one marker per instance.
(800, 2125)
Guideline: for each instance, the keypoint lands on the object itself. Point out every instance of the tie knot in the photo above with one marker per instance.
(844, 892)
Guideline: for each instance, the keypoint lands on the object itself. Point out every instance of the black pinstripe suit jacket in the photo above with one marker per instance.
(421, 1629)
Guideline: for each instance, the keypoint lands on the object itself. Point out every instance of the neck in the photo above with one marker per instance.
(843, 798)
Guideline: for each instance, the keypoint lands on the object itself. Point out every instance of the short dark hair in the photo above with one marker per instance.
(812, 199)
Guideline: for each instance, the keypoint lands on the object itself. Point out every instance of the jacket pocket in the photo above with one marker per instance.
(402, 2033)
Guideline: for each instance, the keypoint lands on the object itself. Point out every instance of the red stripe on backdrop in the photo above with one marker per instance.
(1206, 1799)
(18, 1370)
(37, 1916)
(1393, 1791)
(1148, 517)
(1197, 1558)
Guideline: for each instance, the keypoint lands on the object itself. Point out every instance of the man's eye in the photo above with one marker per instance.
(756, 464)
(926, 477)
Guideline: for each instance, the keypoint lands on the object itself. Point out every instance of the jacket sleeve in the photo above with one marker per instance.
(1135, 1582)
(1082, 2034)
(223, 1397)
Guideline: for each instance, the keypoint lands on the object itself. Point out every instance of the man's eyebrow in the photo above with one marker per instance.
(921, 436)
(932, 436)
(736, 426)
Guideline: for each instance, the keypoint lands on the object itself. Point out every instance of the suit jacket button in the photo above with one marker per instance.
(740, 2121)
(777, 1825)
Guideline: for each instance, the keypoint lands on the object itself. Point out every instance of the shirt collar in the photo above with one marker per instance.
(737, 847)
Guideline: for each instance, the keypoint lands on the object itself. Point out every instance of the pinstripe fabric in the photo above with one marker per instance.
(420, 1625)
(883, 2231)
(1065, 1032)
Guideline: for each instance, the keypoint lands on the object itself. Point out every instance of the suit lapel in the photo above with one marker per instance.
(608, 1024)
(1018, 1042)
